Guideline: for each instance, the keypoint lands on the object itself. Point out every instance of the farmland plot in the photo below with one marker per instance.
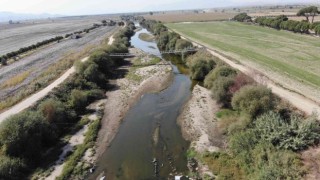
(293, 60)
(15, 36)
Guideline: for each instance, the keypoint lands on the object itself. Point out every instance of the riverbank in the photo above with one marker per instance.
(198, 121)
(141, 78)
(198, 124)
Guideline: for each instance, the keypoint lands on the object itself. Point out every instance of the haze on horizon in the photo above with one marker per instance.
(79, 7)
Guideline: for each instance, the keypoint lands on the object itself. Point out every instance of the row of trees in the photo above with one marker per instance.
(4, 58)
(282, 21)
(165, 40)
(26, 137)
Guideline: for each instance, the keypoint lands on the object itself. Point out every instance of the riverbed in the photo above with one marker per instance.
(149, 143)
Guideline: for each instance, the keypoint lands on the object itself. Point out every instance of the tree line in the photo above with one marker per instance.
(282, 22)
(165, 40)
(27, 138)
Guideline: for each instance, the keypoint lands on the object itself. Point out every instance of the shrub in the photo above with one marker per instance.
(220, 90)
(78, 100)
(11, 168)
(317, 30)
(239, 81)
(242, 17)
(253, 100)
(220, 71)
(201, 68)
(3, 61)
(182, 44)
(290, 134)
(53, 110)
(25, 135)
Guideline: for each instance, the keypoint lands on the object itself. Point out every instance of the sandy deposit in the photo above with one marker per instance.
(198, 119)
(153, 79)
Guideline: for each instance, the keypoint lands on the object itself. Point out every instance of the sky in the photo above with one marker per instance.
(79, 7)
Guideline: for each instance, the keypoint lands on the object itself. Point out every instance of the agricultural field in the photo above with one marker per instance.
(293, 60)
(15, 36)
(14, 77)
(190, 17)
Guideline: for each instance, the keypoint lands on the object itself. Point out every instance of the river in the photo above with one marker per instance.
(149, 130)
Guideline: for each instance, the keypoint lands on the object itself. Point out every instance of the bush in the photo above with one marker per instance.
(183, 44)
(78, 100)
(242, 17)
(25, 135)
(253, 100)
(220, 90)
(220, 71)
(53, 110)
(239, 81)
(291, 134)
(3, 61)
(201, 68)
(11, 168)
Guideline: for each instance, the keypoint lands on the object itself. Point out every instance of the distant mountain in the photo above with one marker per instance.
(7, 16)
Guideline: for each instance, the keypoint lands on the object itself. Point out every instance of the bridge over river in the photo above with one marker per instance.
(186, 50)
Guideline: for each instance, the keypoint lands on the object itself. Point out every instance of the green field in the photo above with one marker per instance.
(293, 54)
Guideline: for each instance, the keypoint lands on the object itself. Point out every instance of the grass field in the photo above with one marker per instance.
(292, 54)
(190, 17)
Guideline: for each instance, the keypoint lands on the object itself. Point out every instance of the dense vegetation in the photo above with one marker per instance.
(165, 40)
(262, 134)
(282, 21)
(25, 138)
(242, 17)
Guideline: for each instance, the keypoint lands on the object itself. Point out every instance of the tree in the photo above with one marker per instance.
(25, 135)
(220, 90)
(308, 11)
(78, 100)
(151, 13)
(200, 68)
(220, 71)
(253, 100)
(11, 168)
(182, 44)
(242, 17)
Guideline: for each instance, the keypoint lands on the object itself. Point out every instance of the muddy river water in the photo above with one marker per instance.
(149, 144)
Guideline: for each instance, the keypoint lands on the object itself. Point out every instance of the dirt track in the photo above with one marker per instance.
(42, 59)
(304, 104)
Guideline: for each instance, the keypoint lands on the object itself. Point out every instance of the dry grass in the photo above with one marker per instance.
(190, 17)
(45, 78)
(316, 19)
(15, 80)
